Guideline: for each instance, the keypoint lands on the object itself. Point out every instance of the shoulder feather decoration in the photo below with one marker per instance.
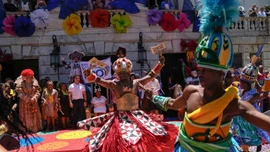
(217, 13)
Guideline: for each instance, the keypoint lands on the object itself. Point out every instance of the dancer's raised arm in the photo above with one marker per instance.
(154, 72)
(92, 77)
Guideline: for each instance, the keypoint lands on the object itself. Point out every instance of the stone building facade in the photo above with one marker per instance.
(104, 41)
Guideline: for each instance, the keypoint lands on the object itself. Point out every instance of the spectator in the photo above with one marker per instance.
(11, 83)
(11, 96)
(260, 75)
(155, 87)
(41, 4)
(132, 76)
(47, 79)
(267, 10)
(25, 5)
(99, 4)
(193, 78)
(261, 13)
(28, 91)
(65, 114)
(266, 74)
(242, 12)
(252, 11)
(99, 102)
(167, 5)
(77, 100)
(50, 101)
(9, 7)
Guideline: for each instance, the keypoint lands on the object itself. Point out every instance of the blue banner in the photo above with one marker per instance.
(2, 10)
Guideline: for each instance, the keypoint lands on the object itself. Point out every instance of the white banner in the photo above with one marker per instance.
(104, 73)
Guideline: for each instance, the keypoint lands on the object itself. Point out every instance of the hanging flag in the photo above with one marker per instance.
(103, 71)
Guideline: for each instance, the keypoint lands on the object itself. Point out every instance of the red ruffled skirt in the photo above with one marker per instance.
(126, 131)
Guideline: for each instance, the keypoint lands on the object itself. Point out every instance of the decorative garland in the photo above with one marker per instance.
(99, 18)
(168, 22)
(183, 22)
(8, 23)
(154, 16)
(23, 26)
(40, 18)
(72, 24)
(120, 23)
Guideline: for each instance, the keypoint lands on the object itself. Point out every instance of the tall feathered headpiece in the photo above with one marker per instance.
(250, 72)
(217, 13)
(215, 50)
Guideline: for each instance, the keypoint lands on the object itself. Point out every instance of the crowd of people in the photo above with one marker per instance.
(222, 108)
(24, 5)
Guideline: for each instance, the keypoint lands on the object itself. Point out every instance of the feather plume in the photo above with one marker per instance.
(256, 58)
(216, 14)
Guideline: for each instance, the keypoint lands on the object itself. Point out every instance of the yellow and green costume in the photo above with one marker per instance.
(215, 51)
(196, 135)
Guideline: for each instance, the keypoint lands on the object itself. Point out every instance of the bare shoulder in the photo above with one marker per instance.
(233, 109)
(192, 88)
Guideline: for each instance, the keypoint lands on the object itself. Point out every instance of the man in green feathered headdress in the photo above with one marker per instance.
(210, 107)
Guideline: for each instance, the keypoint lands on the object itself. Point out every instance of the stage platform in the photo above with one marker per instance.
(58, 141)
(74, 141)
(62, 140)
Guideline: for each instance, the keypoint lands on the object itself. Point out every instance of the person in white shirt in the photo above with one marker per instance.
(193, 78)
(261, 13)
(99, 102)
(25, 5)
(155, 87)
(77, 100)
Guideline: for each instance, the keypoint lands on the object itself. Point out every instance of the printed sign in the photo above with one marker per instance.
(158, 49)
(102, 68)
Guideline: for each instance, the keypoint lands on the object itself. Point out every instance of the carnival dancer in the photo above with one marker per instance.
(245, 133)
(209, 107)
(28, 91)
(128, 128)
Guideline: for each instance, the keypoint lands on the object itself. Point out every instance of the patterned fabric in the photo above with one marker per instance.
(215, 52)
(249, 73)
(29, 110)
(246, 133)
(51, 100)
(130, 132)
(187, 144)
(161, 102)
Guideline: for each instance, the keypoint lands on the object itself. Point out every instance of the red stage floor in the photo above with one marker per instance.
(74, 141)
(59, 141)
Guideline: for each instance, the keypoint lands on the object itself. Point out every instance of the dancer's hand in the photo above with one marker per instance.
(149, 93)
(90, 76)
(162, 59)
